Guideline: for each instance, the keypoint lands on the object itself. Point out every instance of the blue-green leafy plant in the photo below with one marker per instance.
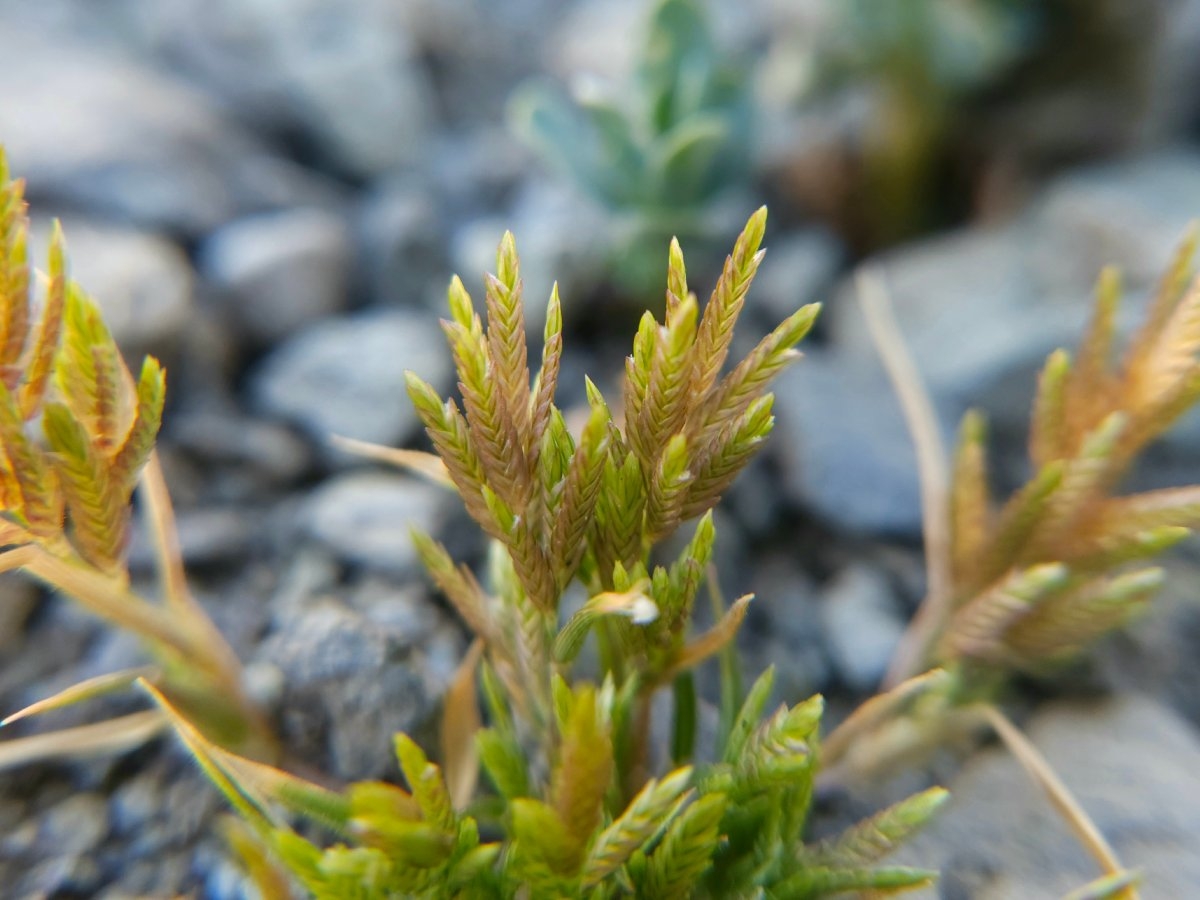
(656, 153)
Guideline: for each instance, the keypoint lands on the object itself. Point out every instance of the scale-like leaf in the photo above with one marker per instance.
(41, 503)
(584, 770)
(686, 851)
(827, 882)
(426, 783)
(652, 809)
(725, 305)
(504, 763)
(135, 451)
(1048, 429)
(49, 329)
(979, 628)
(970, 501)
(741, 387)
(99, 512)
(506, 335)
(870, 840)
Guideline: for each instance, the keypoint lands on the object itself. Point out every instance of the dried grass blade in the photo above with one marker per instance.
(84, 690)
(113, 736)
(1060, 796)
(427, 465)
(712, 641)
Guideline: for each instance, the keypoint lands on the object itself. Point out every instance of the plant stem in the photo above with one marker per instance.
(1039, 769)
(932, 469)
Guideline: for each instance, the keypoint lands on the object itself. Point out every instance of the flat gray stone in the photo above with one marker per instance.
(141, 280)
(277, 272)
(98, 132)
(1132, 764)
(843, 446)
(346, 375)
(366, 518)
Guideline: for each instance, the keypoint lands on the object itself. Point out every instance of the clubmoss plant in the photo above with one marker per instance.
(77, 436)
(1027, 585)
(657, 153)
(582, 803)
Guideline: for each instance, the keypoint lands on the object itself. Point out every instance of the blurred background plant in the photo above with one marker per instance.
(660, 153)
(921, 62)
(939, 87)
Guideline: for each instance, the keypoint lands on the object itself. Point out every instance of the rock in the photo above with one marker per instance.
(981, 309)
(404, 611)
(799, 268)
(478, 167)
(600, 39)
(348, 689)
(57, 876)
(783, 628)
(269, 453)
(1133, 765)
(277, 272)
(142, 281)
(843, 448)
(1156, 653)
(366, 517)
(136, 802)
(479, 50)
(346, 375)
(561, 236)
(862, 625)
(343, 75)
(214, 536)
(400, 235)
(1131, 213)
(977, 317)
(96, 132)
(77, 825)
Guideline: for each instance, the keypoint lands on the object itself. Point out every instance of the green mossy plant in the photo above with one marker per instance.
(1026, 585)
(582, 802)
(77, 435)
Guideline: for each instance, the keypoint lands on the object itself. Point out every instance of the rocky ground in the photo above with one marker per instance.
(272, 196)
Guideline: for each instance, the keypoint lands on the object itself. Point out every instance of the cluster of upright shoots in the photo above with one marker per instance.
(77, 435)
(583, 802)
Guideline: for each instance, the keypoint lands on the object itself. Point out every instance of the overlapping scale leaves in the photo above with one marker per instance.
(77, 431)
(1064, 560)
(580, 803)
(70, 486)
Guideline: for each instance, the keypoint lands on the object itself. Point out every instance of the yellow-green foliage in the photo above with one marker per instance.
(76, 433)
(1027, 584)
(1062, 562)
(583, 805)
